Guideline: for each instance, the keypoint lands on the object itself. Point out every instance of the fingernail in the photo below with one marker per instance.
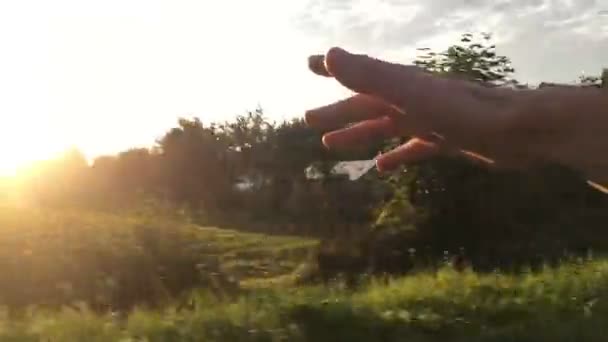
(332, 57)
(325, 141)
(310, 117)
(379, 165)
(316, 64)
(307, 117)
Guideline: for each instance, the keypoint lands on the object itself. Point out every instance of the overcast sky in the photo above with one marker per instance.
(106, 75)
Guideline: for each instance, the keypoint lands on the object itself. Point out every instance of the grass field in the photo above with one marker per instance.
(242, 255)
(568, 304)
(41, 248)
(251, 256)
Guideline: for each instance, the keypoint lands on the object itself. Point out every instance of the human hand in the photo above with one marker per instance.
(499, 126)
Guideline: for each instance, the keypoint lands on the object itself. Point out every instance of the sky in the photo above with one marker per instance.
(107, 75)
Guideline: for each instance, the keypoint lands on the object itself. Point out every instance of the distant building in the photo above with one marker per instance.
(353, 169)
(250, 183)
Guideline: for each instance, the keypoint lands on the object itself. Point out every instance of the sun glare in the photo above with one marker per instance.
(17, 151)
(13, 160)
(8, 167)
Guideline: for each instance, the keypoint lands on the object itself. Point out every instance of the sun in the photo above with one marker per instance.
(15, 158)
(8, 168)
(19, 150)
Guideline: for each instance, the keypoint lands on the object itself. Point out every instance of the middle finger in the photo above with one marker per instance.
(359, 107)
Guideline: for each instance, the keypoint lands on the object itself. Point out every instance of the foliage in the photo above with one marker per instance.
(474, 59)
(590, 80)
(55, 258)
(229, 173)
(564, 304)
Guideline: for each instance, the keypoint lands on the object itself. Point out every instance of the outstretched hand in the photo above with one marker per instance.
(500, 126)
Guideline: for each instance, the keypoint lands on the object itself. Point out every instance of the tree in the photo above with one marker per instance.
(475, 59)
(57, 181)
(494, 215)
(194, 165)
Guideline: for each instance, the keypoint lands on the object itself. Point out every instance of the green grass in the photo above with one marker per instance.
(253, 256)
(567, 304)
(77, 254)
(117, 262)
(242, 255)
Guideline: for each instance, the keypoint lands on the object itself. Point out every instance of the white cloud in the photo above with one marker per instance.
(546, 39)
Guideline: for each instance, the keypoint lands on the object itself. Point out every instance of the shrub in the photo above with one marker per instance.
(104, 261)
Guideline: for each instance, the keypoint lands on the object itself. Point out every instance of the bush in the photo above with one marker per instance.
(106, 262)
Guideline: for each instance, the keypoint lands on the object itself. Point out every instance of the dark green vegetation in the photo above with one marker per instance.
(178, 277)
(54, 258)
(122, 250)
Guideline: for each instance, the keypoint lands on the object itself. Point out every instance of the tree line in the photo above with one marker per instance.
(250, 173)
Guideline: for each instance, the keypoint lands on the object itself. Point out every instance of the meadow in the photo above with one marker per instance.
(86, 276)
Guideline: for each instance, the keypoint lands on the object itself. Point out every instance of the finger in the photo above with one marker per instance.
(370, 131)
(357, 108)
(367, 75)
(417, 150)
(361, 133)
(413, 151)
(453, 107)
(598, 186)
(477, 158)
(316, 64)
